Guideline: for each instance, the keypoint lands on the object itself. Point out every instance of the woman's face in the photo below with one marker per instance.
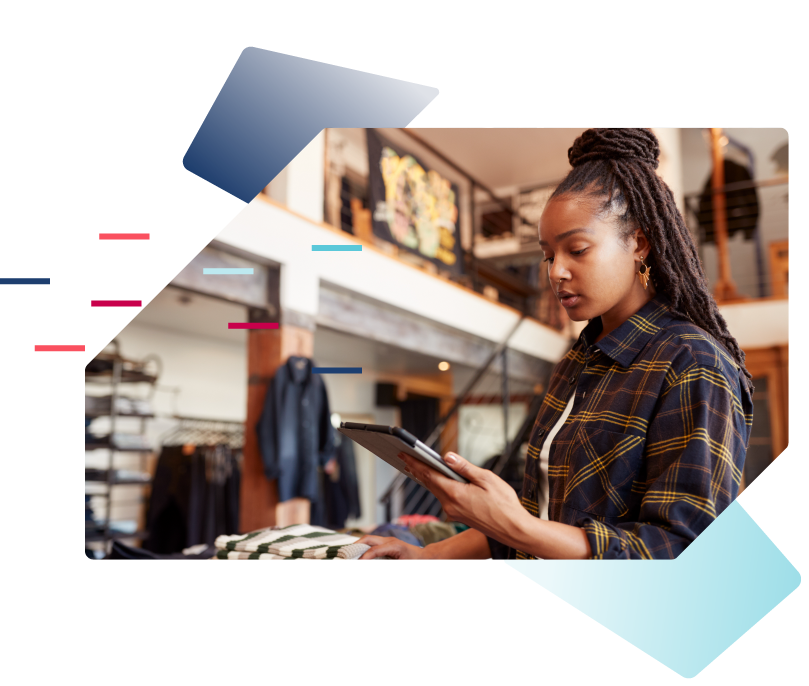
(597, 269)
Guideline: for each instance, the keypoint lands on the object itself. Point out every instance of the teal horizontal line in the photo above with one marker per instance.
(227, 270)
(336, 248)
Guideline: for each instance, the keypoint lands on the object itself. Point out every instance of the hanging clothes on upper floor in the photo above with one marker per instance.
(295, 435)
(741, 205)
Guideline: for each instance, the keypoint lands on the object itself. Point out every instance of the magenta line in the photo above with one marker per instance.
(242, 325)
(123, 236)
(115, 303)
(58, 348)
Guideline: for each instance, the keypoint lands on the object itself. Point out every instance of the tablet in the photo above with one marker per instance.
(387, 441)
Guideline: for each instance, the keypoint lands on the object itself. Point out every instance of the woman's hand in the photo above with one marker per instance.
(486, 503)
(382, 546)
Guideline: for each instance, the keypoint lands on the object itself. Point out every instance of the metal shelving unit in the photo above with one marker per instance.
(111, 368)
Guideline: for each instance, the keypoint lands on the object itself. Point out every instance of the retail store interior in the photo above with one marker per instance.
(209, 415)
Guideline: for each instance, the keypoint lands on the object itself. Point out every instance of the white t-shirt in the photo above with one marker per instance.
(544, 488)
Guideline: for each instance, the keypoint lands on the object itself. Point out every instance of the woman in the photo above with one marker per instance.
(647, 419)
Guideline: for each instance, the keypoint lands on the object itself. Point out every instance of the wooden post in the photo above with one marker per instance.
(779, 268)
(725, 289)
(449, 436)
(267, 349)
(361, 221)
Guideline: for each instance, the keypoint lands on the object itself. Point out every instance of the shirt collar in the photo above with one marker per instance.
(299, 368)
(624, 343)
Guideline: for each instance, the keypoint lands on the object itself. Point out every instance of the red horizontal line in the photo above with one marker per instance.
(115, 303)
(58, 348)
(197, 239)
(241, 325)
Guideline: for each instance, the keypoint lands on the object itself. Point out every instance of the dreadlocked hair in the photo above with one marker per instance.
(616, 169)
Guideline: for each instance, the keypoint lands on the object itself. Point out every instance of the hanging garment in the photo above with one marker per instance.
(220, 506)
(341, 493)
(195, 497)
(295, 434)
(741, 205)
(294, 541)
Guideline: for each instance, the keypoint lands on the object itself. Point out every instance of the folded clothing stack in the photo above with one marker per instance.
(141, 406)
(130, 442)
(294, 542)
(117, 441)
(102, 405)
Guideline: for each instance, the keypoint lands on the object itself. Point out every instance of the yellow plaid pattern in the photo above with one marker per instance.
(653, 449)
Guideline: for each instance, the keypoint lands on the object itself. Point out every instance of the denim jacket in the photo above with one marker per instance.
(295, 434)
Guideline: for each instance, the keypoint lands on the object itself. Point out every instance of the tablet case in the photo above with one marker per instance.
(387, 441)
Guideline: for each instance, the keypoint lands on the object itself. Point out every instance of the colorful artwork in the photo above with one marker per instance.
(419, 208)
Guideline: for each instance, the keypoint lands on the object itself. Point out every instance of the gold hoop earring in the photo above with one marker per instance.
(643, 273)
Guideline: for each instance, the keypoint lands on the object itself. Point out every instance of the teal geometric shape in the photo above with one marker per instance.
(336, 248)
(684, 612)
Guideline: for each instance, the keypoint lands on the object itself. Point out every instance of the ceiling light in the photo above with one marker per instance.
(443, 366)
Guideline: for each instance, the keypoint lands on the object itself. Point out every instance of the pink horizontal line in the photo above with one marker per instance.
(241, 325)
(197, 239)
(85, 351)
(115, 303)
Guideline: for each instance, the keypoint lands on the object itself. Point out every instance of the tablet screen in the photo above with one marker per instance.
(386, 442)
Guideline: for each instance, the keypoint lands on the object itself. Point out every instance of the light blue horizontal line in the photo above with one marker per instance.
(336, 248)
(227, 270)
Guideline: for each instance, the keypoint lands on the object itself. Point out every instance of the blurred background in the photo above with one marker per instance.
(446, 310)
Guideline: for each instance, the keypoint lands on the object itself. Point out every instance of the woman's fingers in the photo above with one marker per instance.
(383, 550)
(373, 540)
(388, 547)
(415, 469)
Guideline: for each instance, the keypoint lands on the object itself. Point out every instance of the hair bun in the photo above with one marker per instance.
(639, 145)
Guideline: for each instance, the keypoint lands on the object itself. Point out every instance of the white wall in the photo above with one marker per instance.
(671, 162)
(759, 323)
(305, 178)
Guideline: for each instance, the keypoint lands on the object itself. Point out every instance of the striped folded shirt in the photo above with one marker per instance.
(236, 555)
(291, 542)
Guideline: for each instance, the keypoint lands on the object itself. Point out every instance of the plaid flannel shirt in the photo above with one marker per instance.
(654, 446)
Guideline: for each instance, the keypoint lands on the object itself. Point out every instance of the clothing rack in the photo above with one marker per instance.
(111, 368)
(202, 431)
(196, 485)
